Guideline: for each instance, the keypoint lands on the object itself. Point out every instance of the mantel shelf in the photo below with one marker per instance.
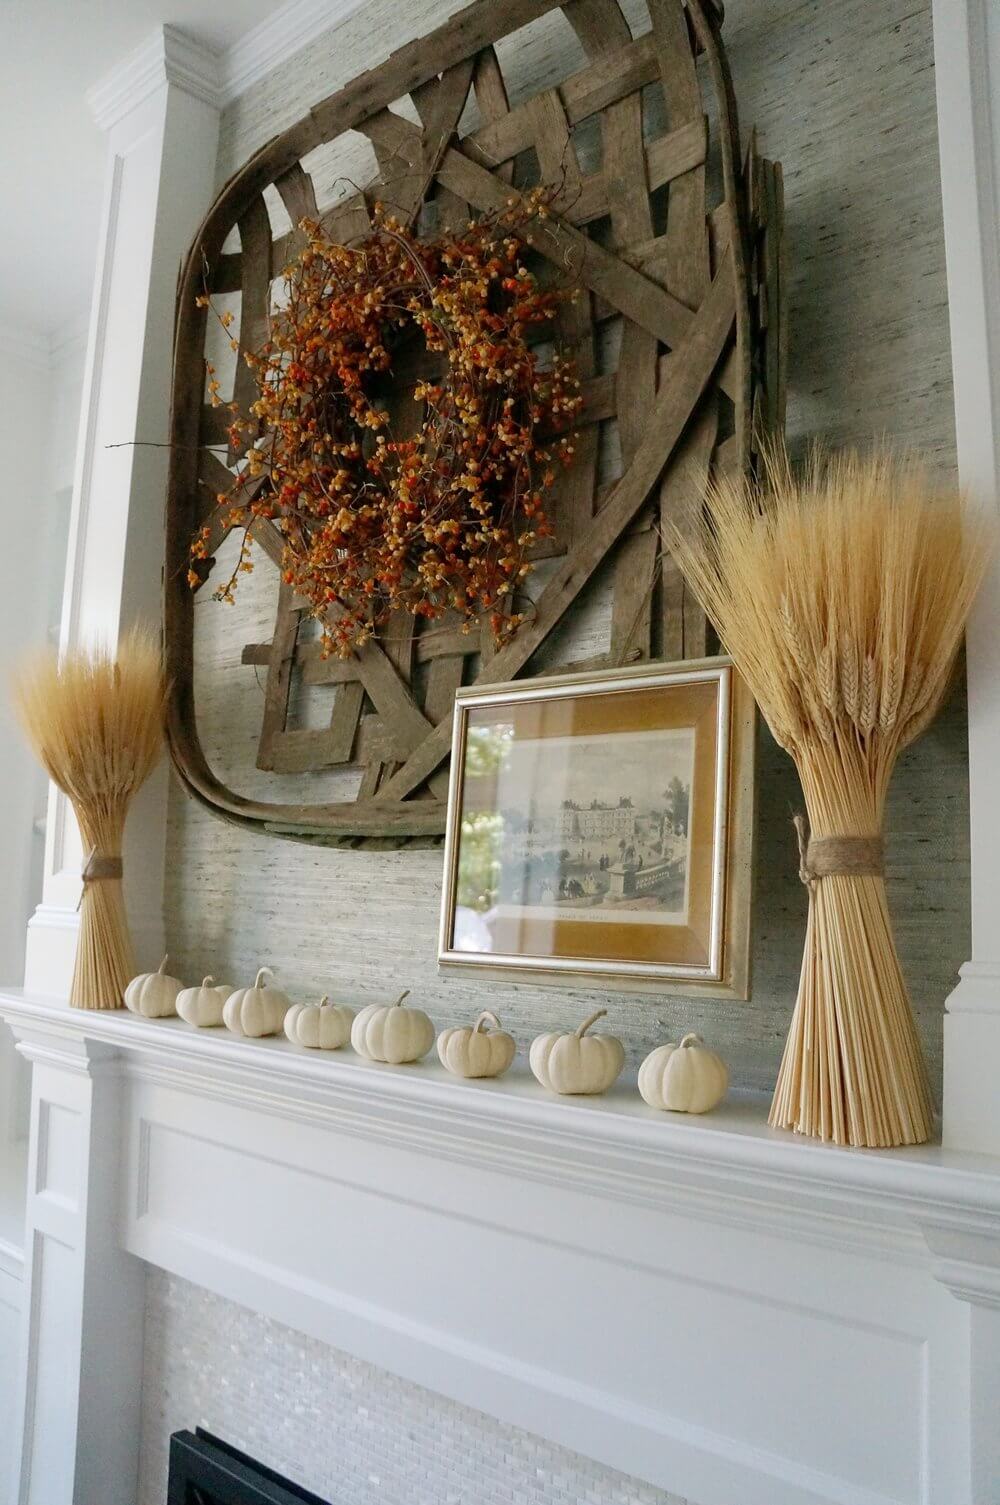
(615, 1145)
(452, 1232)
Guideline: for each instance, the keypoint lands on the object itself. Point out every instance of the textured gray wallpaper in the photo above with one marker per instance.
(844, 96)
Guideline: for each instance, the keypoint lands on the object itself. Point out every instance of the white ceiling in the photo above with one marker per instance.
(52, 159)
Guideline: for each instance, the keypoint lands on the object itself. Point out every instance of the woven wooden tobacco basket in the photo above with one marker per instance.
(695, 287)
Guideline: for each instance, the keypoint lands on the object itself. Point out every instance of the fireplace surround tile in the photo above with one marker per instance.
(347, 1430)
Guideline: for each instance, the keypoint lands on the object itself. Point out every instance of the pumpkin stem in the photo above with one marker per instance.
(691, 1040)
(260, 974)
(404, 994)
(324, 1001)
(207, 982)
(477, 1028)
(588, 1022)
(163, 964)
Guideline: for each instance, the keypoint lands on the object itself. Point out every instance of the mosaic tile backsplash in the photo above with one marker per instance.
(352, 1433)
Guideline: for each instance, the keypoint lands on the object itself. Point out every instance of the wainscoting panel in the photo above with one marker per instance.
(666, 1326)
(715, 1309)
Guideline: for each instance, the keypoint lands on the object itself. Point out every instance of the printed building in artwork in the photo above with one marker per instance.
(596, 820)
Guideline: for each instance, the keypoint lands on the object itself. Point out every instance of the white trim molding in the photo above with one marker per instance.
(217, 78)
(161, 112)
(77, 1403)
(967, 71)
(656, 1292)
(168, 55)
(967, 77)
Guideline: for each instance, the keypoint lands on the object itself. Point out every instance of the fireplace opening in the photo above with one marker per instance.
(204, 1470)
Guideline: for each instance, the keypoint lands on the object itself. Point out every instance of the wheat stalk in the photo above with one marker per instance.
(96, 724)
(842, 595)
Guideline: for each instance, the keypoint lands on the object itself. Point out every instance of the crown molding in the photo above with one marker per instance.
(172, 56)
(168, 56)
(276, 39)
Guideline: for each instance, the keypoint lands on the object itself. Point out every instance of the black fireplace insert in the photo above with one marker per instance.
(206, 1471)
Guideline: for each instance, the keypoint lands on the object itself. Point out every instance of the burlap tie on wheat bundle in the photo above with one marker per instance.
(95, 719)
(841, 596)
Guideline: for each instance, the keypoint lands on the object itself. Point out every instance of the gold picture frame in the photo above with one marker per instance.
(601, 826)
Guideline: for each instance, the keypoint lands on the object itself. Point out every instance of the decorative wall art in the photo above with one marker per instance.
(652, 248)
(601, 826)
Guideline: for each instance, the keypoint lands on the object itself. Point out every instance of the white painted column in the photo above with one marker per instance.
(967, 66)
(160, 110)
(967, 1262)
(76, 1412)
(25, 384)
(12, 1093)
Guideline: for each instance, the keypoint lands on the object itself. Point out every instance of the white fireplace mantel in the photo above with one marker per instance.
(736, 1315)
(616, 1280)
(609, 1146)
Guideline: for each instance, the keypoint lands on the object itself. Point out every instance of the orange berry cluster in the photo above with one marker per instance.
(406, 428)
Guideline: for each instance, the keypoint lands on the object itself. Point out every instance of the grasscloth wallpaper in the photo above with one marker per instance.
(843, 95)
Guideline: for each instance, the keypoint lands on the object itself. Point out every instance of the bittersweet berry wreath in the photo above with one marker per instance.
(434, 514)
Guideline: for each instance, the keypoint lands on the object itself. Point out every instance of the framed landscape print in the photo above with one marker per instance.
(602, 825)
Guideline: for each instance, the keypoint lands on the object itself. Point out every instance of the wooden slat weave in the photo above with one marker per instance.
(695, 291)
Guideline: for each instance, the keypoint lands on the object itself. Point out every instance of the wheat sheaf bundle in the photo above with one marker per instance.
(841, 595)
(95, 720)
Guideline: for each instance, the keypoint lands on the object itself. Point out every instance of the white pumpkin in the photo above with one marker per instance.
(477, 1052)
(685, 1078)
(390, 1032)
(577, 1063)
(256, 1011)
(203, 1006)
(320, 1026)
(154, 994)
